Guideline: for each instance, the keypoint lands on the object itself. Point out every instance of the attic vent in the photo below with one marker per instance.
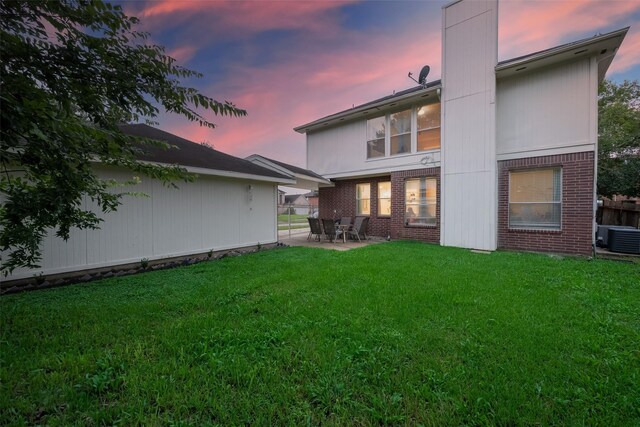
(392, 105)
(603, 51)
(580, 51)
(425, 95)
(521, 68)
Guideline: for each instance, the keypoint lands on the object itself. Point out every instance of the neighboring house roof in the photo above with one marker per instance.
(197, 157)
(603, 46)
(304, 178)
(295, 198)
(311, 194)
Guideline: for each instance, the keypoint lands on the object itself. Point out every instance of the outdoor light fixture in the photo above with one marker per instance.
(250, 192)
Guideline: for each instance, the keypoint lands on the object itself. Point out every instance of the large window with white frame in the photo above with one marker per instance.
(363, 199)
(420, 201)
(384, 198)
(376, 137)
(400, 126)
(408, 131)
(535, 199)
(428, 123)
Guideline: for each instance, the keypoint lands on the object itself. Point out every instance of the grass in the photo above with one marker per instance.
(395, 333)
(284, 218)
(293, 227)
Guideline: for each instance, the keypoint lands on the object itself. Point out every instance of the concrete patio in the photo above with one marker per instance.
(299, 238)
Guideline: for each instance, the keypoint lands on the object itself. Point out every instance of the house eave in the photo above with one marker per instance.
(603, 47)
(220, 173)
(368, 110)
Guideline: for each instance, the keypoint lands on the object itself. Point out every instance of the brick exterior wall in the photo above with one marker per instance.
(398, 229)
(575, 235)
(342, 200)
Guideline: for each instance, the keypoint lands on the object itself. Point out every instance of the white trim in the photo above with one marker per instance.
(381, 171)
(594, 80)
(228, 174)
(577, 148)
(265, 163)
(340, 118)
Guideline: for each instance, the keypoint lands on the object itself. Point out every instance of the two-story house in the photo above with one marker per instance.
(493, 155)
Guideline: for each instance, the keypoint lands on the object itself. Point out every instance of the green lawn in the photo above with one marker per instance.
(284, 218)
(394, 333)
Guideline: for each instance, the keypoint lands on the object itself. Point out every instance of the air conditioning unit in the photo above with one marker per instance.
(624, 240)
(602, 235)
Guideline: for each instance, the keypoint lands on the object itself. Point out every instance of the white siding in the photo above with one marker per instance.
(341, 151)
(546, 112)
(210, 213)
(469, 201)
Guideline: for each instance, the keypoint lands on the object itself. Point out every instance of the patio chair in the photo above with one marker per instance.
(315, 229)
(329, 229)
(359, 228)
(345, 220)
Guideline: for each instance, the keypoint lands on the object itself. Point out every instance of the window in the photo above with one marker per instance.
(400, 125)
(376, 137)
(384, 199)
(420, 201)
(413, 130)
(363, 199)
(535, 199)
(428, 127)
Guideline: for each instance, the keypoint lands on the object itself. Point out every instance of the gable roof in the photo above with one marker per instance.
(305, 178)
(191, 155)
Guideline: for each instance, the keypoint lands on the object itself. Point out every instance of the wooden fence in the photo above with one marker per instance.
(618, 213)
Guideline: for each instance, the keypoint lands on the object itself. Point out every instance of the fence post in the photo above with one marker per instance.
(289, 216)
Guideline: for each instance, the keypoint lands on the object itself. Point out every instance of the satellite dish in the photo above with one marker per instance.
(423, 75)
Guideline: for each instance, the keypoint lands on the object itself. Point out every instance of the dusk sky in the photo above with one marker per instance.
(290, 62)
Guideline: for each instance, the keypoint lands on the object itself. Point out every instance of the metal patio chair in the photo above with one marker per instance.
(315, 229)
(359, 228)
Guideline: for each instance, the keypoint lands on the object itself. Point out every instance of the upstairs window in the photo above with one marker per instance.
(376, 137)
(535, 200)
(363, 199)
(420, 201)
(400, 125)
(428, 120)
(384, 198)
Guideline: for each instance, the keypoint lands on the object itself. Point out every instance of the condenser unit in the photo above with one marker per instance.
(624, 240)
(602, 235)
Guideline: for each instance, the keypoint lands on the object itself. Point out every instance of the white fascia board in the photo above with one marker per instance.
(366, 173)
(312, 179)
(216, 172)
(362, 111)
(239, 175)
(603, 47)
(259, 160)
(265, 163)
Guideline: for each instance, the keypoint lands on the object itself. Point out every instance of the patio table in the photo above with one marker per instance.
(344, 228)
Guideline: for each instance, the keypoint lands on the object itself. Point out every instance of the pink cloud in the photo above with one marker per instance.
(629, 54)
(300, 87)
(294, 92)
(212, 19)
(528, 26)
(182, 54)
